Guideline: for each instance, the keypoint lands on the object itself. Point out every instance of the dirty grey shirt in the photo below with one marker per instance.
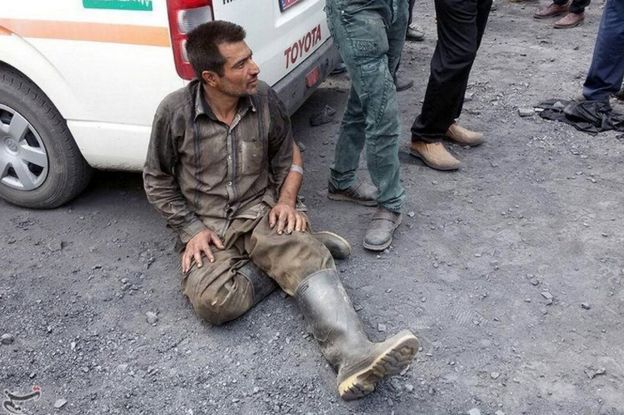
(201, 173)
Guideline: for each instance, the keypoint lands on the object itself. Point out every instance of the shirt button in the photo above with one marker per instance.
(229, 183)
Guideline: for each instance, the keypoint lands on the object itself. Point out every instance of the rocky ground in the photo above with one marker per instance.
(510, 271)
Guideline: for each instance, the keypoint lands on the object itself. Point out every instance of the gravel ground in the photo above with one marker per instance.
(510, 271)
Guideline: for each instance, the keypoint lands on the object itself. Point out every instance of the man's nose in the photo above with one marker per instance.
(255, 69)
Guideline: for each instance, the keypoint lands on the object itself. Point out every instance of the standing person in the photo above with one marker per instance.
(223, 169)
(370, 36)
(574, 12)
(607, 67)
(461, 24)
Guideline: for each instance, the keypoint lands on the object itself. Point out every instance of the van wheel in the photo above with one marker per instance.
(40, 164)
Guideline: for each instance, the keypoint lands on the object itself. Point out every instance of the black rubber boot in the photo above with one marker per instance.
(262, 284)
(335, 324)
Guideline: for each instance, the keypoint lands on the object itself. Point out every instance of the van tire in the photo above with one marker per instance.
(67, 171)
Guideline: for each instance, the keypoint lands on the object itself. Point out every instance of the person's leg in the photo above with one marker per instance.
(351, 139)
(483, 12)
(607, 67)
(450, 68)
(575, 17)
(396, 34)
(578, 6)
(227, 288)
(304, 269)
(414, 32)
(556, 8)
(410, 11)
(363, 43)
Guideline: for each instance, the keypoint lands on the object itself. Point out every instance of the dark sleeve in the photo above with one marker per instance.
(161, 185)
(280, 140)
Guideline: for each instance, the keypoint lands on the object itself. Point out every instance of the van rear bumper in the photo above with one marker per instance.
(292, 89)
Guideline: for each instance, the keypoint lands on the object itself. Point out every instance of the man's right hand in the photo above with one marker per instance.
(198, 245)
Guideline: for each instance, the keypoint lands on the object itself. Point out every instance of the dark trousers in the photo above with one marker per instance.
(607, 67)
(577, 6)
(461, 24)
(411, 8)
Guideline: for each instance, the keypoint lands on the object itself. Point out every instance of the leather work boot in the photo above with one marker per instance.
(434, 155)
(338, 247)
(360, 193)
(379, 234)
(464, 136)
(360, 363)
(552, 10)
(570, 20)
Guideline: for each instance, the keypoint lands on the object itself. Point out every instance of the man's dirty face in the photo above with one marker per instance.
(240, 77)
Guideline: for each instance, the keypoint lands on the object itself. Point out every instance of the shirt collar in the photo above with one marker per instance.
(245, 103)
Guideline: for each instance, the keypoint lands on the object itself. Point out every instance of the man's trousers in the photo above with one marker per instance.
(461, 24)
(577, 6)
(227, 288)
(370, 37)
(607, 68)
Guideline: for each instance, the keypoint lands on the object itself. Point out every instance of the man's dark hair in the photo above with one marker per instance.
(202, 45)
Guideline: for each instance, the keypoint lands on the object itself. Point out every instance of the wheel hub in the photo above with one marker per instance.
(11, 145)
(23, 157)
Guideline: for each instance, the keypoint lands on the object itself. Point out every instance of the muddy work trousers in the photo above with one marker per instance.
(225, 289)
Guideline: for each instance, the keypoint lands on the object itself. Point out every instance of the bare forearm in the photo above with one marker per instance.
(294, 179)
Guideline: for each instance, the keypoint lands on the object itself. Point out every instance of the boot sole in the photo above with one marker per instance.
(569, 26)
(464, 143)
(392, 361)
(433, 166)
(343, 198)
(550, 16)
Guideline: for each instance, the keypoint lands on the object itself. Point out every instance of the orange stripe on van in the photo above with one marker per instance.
(90, 32)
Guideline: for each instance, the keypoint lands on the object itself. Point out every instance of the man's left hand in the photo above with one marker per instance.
(287, 219)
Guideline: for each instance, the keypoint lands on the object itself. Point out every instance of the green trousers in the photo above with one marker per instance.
(370, 37)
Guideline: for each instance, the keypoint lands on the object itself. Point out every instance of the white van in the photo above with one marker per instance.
(80, 80)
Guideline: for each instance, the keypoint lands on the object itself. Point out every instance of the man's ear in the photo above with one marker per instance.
(210, 78)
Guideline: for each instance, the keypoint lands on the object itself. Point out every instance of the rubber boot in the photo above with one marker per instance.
(262, 284)
(338, 247)
(360, 363)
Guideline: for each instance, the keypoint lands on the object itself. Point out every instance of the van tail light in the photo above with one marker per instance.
(184, 16)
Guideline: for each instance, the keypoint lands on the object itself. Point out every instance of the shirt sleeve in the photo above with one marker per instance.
(280, 140)
(161, 185)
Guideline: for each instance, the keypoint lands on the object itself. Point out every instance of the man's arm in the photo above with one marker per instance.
(280, 141)
(284, 214)
(163, 192)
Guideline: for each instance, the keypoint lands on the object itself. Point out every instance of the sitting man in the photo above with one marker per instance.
(224, 172)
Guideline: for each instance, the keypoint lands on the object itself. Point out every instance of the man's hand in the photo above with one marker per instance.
(198, 245)
(287, 218)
